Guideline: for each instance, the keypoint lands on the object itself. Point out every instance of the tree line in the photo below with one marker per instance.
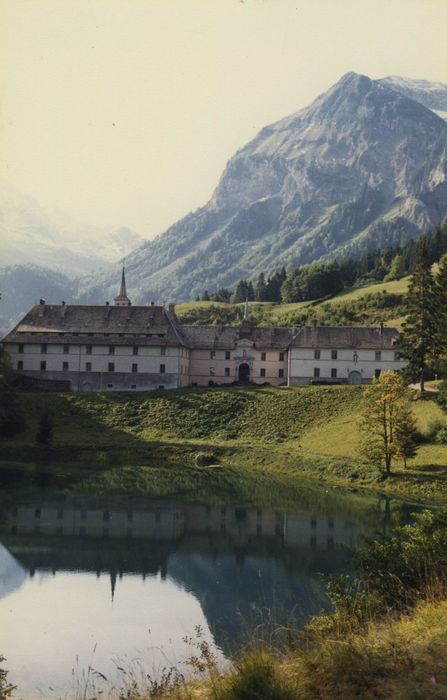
(320, 280)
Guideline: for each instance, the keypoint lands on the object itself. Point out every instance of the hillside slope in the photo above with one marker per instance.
(364, 165)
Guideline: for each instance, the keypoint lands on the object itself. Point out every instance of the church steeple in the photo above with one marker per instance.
(122, 299)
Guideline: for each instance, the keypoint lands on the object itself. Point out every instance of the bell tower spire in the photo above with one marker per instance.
(122, 299)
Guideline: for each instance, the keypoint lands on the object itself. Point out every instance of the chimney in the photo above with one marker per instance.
(171, 308)
(63, 303)
(107, 303)
(42, 302)
(152, 303)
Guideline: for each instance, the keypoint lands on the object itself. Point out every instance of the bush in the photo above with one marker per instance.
(6, 689)
(437, 431)
(391, 575)
(255, 677)
(204, 459)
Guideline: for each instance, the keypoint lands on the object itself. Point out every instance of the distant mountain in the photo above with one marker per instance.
(29, 235)
(21, 286)
(431, 95)
(364, 165)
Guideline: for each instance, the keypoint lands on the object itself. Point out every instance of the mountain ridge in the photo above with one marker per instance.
(363, 165)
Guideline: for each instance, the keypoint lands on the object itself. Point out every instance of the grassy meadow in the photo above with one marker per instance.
(176, 441)
(369, 304)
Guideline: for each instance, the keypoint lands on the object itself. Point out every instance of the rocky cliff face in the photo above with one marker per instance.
(363, 166)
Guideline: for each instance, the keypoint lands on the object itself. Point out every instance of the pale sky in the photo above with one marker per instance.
(124, 112)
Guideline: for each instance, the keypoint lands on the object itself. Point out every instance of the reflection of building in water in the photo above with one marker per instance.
(236, 561)
(319, 532)
(146, 519)
(159, 520)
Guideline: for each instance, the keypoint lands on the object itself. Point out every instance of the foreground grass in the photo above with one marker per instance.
(120, 441)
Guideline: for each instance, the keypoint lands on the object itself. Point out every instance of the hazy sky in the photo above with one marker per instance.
(124, 112)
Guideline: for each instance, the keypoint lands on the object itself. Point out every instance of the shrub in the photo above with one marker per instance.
(204, 459)
(6, 689)
(255, 676)
(437, 431)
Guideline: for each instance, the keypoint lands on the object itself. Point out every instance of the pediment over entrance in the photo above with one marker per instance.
(244, 343)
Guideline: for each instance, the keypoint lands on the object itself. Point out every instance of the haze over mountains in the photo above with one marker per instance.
(28, 234)
(365, 165)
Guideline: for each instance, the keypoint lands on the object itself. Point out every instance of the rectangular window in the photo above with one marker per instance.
(377, 373)
(281, 357)
(317, 354)
(43, 365)
(66, 349)
(134, 367)
(65, 365)
(111, 349)
(227, 371)
(20, 348)
(162, 369)
(378, 355)
(111, 367)
(163, 351)
(316, 371)
(333, 372)
(88, 366)
(263, 356)
(88, 349)
(280, 373)
(334, 354)
(227, 355)
(43, 348)
(262, 371)
(20, 364)
(135, 350)
(212, 354)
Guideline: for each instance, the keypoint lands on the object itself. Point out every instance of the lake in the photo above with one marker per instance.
(120, 582)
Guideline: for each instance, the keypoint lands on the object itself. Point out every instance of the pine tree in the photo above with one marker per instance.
(417, 339)
(406, 434)
(260, 288)
(440, 294)
(397, 268)
(240, 293)
(44, 435)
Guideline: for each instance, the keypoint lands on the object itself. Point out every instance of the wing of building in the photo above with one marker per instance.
(125, 347)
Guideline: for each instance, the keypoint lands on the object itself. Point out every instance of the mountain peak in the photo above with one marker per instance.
(364, 166)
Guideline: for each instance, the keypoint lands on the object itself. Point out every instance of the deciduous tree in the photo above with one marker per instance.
(386, 410)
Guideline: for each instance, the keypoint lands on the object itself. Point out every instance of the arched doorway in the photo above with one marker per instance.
(354, 378)
(244, 372)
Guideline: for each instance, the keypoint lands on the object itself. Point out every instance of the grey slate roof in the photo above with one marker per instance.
(117, 324)
(153, 325)
(345, 337)
(227, 336)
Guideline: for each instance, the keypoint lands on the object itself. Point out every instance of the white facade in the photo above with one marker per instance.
(141, 348)
(350, 365)
(91, 367)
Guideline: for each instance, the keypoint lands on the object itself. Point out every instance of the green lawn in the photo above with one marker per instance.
(308, 431)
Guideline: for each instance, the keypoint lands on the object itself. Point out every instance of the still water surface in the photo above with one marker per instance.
(121, 581)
